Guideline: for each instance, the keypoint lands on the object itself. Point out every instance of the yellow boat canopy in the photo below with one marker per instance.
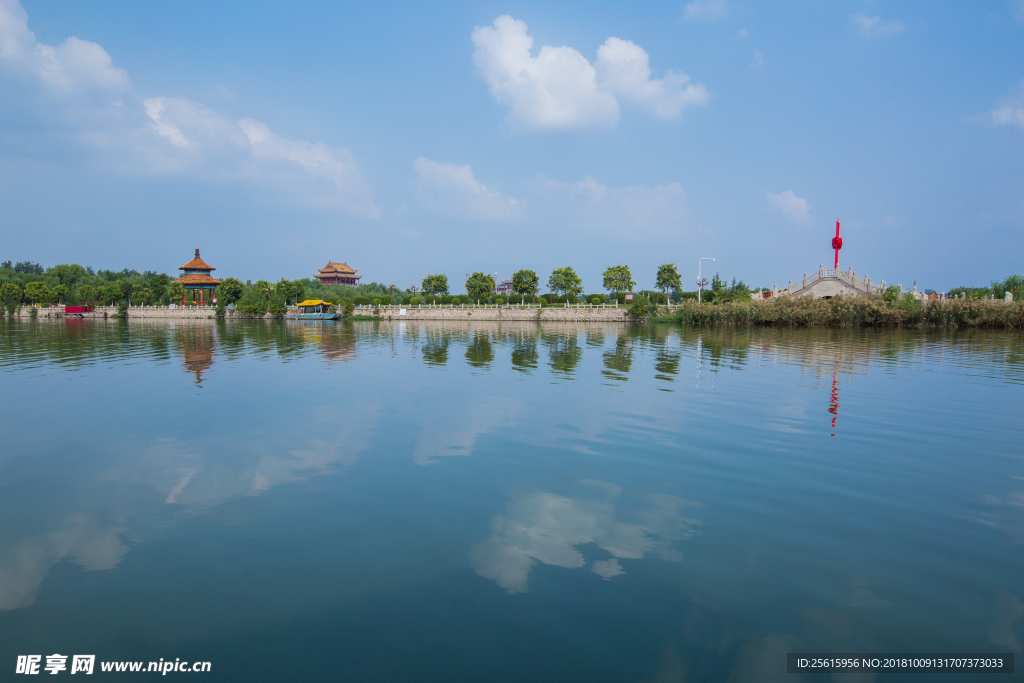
(314, 302)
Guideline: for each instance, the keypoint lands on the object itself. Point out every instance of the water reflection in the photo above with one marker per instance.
(833, 404)
(434, 347)
(618, 360)
(551, 529)
(524, 350)
(196, 343)
(479, 352)
(564, 352)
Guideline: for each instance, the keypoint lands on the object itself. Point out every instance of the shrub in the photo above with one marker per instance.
(375, 301)
(278, 306)
(500, 299)
(641, 307)
(414, 301)
(349, 307)
(361, 301)
(457, 300)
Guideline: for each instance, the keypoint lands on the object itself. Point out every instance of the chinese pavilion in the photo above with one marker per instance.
(337, 274)
(200, 288)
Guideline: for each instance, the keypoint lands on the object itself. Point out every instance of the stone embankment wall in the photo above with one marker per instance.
(572, 314)
(555, 314)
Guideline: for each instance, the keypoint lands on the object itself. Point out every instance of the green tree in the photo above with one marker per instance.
(86, 293)
(668, 278)
(618, 279)
(565, 281)
(36, 292)
(126, 290)
(435, 285)
(67, 273)
(230, 290)
(176, 292)
(59, 293)
(480, 286)
(524, 282)
(10, 295)
(264, 287)
(286, 289)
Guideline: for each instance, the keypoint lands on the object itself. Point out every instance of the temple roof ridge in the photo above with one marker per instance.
(197, 264)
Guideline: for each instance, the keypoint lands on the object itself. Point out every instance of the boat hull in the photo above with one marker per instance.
(313, 316)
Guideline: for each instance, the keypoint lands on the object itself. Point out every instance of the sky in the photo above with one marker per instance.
(407, 139)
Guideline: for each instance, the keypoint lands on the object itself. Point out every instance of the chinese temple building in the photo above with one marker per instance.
(200, 288)
(337, 274)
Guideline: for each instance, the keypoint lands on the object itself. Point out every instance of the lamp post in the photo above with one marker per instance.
(701, 282)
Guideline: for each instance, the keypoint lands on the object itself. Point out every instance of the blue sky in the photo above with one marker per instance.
(407, 139)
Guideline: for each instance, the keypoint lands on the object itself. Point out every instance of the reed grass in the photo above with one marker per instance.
(852, 312)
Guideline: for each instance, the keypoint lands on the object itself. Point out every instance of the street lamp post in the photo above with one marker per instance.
(701, 281)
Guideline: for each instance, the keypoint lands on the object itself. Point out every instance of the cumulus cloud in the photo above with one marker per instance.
(623, 69)
(1010, 111)
(796, 208)
(190, 138)
(702, 10)
(873, 27)
(73, 65)
(455, 190)
(757, 61)
(560, 88)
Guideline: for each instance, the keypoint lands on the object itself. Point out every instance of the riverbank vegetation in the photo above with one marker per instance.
(852, 311)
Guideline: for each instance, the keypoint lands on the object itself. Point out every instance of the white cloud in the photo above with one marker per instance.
(191, 139)
(560, 88)
(623, 69)
(702, 10)
(757, 61)
(872, 27)
(1010, 111)
(789, 204)
(73, 65)
(743, 34)
(208, 143)
(454, 189)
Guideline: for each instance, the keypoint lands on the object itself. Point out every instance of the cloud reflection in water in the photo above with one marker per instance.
(547, 528)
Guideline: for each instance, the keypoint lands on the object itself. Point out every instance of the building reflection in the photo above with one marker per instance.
(197, 343)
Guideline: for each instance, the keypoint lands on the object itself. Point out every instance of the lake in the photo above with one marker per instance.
(508, 502)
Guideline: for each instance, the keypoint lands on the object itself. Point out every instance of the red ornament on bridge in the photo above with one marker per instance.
(837, 243)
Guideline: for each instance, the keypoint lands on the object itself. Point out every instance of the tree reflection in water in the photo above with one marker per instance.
(435, 346)
(524, 350)
(564, 352)
(618, 361)
(479, 352)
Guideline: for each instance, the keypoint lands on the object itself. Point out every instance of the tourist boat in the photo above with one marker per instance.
(312, 309)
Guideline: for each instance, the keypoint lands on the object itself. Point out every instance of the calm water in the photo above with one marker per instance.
(445, 502)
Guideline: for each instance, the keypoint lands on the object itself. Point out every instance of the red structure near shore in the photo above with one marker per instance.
(337, 274)
(200, 287)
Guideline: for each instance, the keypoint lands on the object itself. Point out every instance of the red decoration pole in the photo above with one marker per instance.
(837, 244)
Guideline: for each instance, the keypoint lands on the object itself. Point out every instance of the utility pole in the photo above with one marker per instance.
(701, 282)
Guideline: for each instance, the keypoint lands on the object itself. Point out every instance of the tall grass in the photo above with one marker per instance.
(853, 312)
